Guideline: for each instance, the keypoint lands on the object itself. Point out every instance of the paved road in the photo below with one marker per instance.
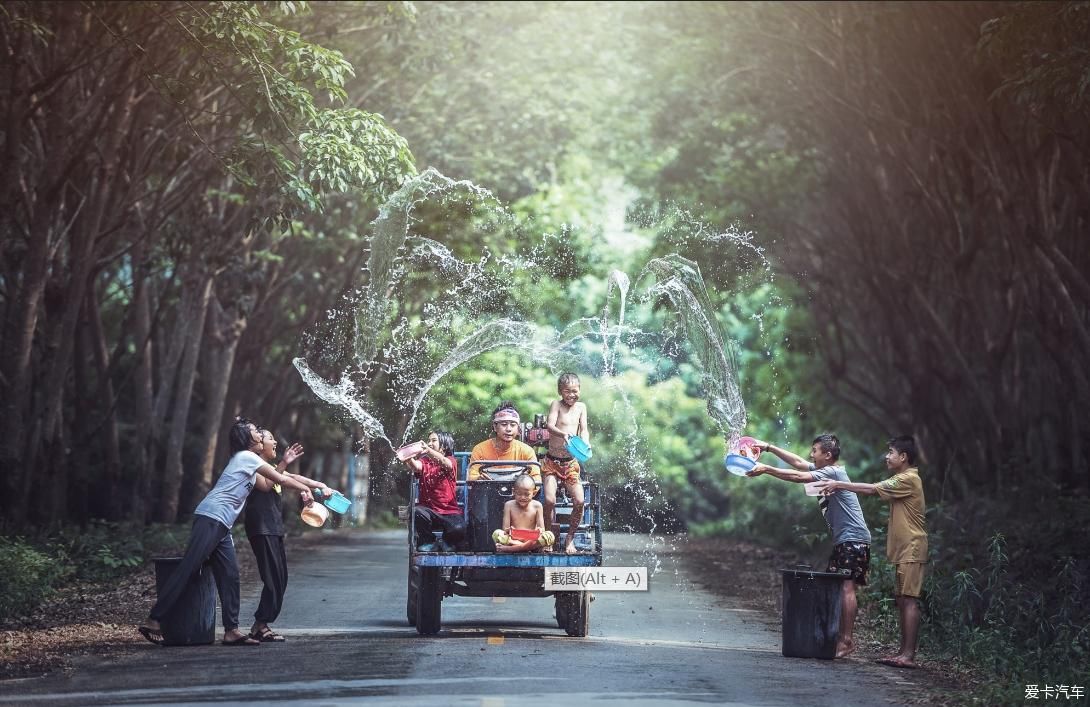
(349, 643)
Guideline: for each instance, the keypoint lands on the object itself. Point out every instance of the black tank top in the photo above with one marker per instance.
(264, 513)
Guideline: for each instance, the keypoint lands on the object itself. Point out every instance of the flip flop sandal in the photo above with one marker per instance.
(268, 636)
(244, 641)
(151, 635)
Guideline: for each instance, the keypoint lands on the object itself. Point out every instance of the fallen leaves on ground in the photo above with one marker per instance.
(84, 619)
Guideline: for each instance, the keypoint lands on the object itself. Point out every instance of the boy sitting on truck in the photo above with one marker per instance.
(523, 513)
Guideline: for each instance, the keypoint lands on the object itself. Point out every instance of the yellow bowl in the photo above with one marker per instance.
(315, 515)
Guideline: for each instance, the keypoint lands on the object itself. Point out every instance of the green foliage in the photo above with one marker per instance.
(1004, 594)
(29, 577)
(285, 141)
(34, 568)
(350, 149)
(104, 550)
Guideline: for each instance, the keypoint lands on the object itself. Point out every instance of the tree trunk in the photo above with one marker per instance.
(145, 444)
(107, 498)
(16, 362)
(224, 331)
(196, 298)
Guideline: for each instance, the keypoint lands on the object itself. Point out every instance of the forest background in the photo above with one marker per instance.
(189, 190)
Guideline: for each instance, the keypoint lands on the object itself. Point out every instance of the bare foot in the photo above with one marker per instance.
(898, 661)
(233, 635)
(570, 548)
(843, 650)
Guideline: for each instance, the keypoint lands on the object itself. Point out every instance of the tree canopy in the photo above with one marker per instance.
(884, 203)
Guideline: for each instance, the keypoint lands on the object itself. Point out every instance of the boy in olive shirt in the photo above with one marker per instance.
(906, 546)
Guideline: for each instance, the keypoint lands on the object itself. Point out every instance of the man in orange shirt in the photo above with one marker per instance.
(505, 445)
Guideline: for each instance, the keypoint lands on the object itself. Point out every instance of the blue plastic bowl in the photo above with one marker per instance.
(337, 502)
(738, 465)
(579, 449)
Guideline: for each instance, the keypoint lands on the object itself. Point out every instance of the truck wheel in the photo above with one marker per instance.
(411, 594)
(429, 607)
(561, 608)
(578, 615)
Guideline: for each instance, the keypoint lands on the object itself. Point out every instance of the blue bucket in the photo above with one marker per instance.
(337, 502)
(579, 449)
(738, 465)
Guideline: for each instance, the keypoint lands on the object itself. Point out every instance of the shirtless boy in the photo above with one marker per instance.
(523, 513)
(567, 417)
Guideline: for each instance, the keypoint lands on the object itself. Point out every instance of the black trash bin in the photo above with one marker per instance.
(486, 499)
(811, 612)
(192, 621)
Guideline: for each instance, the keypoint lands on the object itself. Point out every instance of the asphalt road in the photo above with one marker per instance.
(348, 642)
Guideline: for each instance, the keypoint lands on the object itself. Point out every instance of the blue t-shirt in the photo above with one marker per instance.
(225, 501)
(841, 509)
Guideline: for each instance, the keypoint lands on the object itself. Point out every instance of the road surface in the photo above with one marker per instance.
(348, 643)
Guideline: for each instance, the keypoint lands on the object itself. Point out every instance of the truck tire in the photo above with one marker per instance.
(578, 614)
(561, 608)
(411, 594)
(429, 601)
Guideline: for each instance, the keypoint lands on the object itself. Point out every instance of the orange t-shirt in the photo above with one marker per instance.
(518, 451)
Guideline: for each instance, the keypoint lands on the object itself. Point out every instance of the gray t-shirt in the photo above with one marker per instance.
(841, 509)
(225, 501)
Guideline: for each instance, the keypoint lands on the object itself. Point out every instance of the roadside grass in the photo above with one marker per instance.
(36, 566)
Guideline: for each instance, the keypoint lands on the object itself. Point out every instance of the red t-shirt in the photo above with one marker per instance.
(438, 490)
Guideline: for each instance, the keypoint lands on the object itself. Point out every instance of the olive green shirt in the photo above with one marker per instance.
(907, 539)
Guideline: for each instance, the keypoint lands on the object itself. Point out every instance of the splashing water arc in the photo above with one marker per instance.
(380, 344)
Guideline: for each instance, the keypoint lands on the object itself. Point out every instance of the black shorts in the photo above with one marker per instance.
(852, 559)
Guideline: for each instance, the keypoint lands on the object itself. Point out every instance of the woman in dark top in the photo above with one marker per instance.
(265, 530)
(437, 506)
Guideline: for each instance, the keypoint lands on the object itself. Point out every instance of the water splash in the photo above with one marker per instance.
(388, 234)
(617, 281)
(493, 335)
(404, 357)
(341, 395)
(679, 280)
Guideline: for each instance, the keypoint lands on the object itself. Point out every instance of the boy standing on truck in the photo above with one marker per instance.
(522, 513)
(567, 417)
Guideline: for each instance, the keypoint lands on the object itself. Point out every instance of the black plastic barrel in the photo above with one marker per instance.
(486, 499)
(811, 613)
(192, 620)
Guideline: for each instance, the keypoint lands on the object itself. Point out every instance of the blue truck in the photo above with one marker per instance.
(475, 569)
